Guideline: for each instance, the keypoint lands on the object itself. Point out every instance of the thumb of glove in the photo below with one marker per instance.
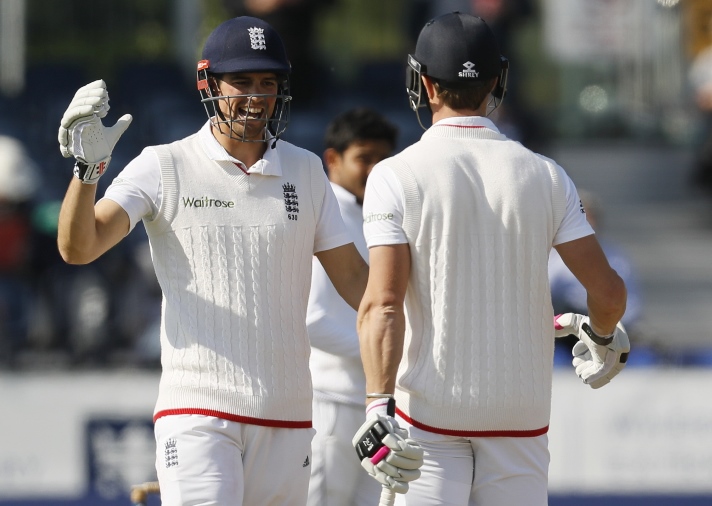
(567, 324)
(114, 133)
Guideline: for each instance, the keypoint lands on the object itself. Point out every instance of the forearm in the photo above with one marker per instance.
(76, 232)
(381, 333)
(352, 291)
(607, 310)
(348, 272)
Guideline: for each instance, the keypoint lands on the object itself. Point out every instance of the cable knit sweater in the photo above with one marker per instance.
(481, 212)
(233, 256)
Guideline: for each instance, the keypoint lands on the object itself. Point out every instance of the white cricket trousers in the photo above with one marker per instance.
(485, 471)
(337, 477)
(208, 461)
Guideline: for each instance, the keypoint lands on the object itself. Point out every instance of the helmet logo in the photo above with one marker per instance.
(257, 38)
(469, 70)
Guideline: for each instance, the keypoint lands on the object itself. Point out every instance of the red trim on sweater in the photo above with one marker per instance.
(461, 126)
(282, 424)
(239, 166)
(474, 433)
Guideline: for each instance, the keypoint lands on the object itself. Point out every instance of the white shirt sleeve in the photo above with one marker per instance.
(383, 208)
(330, 229)
(331, 322)
(574, 225)
(137, 188)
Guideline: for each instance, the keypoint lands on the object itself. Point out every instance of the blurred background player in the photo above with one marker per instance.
(355, 141)
(456, 322)
(234, 217)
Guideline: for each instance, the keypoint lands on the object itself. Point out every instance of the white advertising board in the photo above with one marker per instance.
(56, 433)
(649, 431)
(67, 435)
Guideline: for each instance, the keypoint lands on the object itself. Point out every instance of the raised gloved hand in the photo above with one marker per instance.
(83, 136)
(385, 449)
(597, 359)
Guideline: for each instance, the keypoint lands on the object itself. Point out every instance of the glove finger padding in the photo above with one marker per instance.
(410, 450)
(90, 100)
(95, 103)
(399, 487)
(402, 463)
(398, 473)
(83, 136)
(386, 455)
(567, 324)
(582, 357)
(597, 359)
(404, 454)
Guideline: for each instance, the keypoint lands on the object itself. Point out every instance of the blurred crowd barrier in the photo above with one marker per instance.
(642, 439)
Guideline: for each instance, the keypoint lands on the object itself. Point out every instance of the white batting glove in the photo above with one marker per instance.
(597, 359)
(83, 135)
(385, 449)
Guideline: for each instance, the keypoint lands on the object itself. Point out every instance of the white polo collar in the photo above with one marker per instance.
(268, 165)
(467, 122)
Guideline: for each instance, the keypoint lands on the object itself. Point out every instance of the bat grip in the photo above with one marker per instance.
(388, 497)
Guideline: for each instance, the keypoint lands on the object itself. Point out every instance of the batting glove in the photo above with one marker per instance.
(83, 135)
(385, 449)
(597, 359)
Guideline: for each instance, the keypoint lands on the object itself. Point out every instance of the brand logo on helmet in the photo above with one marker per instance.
(469, 70)
(257, 38)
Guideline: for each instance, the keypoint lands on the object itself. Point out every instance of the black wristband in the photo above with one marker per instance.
(80, 170)
(599, 340)
(89, 173)
(391, 407)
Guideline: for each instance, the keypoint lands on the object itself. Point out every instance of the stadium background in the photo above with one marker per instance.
(600, 86)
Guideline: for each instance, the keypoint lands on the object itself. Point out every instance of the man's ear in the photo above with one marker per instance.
(429, 87)
(332, 159)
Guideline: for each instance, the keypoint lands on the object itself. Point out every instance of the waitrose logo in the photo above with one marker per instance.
(206, 202)
(378, 217)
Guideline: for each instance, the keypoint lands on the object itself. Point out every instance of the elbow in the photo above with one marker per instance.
(382, 309)
(72, 256)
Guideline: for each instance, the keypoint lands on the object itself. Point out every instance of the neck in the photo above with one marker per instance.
(247, 152)
(443, 112)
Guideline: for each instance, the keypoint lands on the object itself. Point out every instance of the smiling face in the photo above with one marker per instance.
(247, 103)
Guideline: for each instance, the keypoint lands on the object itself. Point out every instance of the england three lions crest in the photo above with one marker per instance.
(291, 200)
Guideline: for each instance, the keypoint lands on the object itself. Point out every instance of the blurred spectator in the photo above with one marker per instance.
(700, 76)
(295, 21)
(19, 182)
(53, 314)
(568, 295)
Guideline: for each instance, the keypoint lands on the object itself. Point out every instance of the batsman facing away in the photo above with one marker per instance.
(456, 321)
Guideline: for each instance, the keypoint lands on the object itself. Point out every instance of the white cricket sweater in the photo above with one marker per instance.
(481, 212)
(233, 256)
